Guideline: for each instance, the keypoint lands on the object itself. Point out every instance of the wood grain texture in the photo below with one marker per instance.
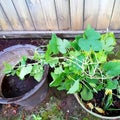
(115, 20)
(48, 8)
(91, 12)
(4, 23)
(63, 14)
(104, 15)
(36, 12)
(23, 13)
(11, 14)
(76, 10)
(50, 15)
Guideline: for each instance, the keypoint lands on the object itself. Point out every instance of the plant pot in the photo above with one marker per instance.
(35, 95)
(93, 113)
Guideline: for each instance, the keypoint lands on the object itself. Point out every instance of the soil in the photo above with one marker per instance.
(12, 86)
(57, 105)
(98, 101)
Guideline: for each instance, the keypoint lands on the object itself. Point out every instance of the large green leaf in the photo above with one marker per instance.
(57, 79)
(37, 72)
(90, 40)
(108, 41)
(8, 68)
(23, 61)
(91, 33)
(86, 94)
(74, 88)
(58, 70)
(52, 61)
(74, 43)
(63, 45)
(53, 44)
(24, 71)
(90, 44)
(66, 84)
(84, 44)
(112, 84)
(112, 68)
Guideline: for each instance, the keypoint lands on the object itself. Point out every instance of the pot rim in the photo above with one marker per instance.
(91, 112)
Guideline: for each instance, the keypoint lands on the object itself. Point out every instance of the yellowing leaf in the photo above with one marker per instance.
(90, 105)
(108, 91)
(100, 110)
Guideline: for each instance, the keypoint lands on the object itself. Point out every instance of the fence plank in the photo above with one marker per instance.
(76, 10)
(91, 12)
(35, 9)
(104, 14)
(48, 7)
(115, 20)
(63, 14)
(4, 23)
(11, 14)
(24, 15)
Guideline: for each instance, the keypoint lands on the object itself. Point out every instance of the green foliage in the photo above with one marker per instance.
(8, 68)
(90, 40)
(112, 68)
(34, 69)
(75, 87)
(86, 94)
(25, 71)
(83, 67)
(80, 66)
(112, 84)
(108, 100)
(36, 117)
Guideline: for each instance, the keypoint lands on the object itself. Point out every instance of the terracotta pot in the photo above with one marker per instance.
(93, 113)
(38, 93)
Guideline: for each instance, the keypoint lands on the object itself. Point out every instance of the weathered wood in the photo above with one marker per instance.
(11, 14)
(104, 15)
(23, 13)
(45, 34)
(35, 9)
(115, 20)
(63, 14)
(91, 12)
(59, 14)
(76, 10)
(4, 23)
(48, 8)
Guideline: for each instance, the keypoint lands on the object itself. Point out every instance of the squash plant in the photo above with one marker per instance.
(80, 66)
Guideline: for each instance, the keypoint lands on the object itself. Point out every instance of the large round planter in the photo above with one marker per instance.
(37, 94)
(95, 114)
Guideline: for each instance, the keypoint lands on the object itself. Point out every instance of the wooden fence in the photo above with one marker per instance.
(59, 15)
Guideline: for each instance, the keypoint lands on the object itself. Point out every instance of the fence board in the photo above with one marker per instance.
(104, 14)
(115, 20)
(63, 14)
(91, 12)
(35, 9)
(76, 10)
(48, 7)
(45, 15)
(24, 15)
(11, 14)
(4, 23)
